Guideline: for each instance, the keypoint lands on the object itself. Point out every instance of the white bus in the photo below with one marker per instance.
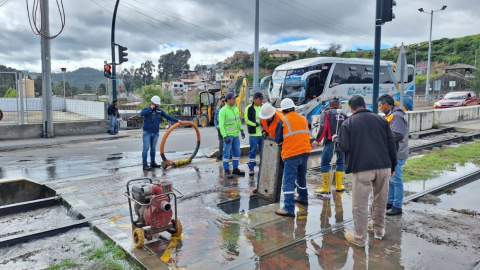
(309, 82)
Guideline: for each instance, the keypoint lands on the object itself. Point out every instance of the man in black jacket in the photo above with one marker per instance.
(370, 154)
(112, 112)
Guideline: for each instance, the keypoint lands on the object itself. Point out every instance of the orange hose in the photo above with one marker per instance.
(165, 136)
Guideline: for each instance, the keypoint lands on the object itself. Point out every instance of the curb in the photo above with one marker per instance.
(244, 149)
(56, 143)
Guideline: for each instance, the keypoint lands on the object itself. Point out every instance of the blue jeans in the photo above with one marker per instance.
(327, 155)
(149, 141)
(395, 191)
(113, 123)
(252, 154)
(233, 145)
(295, 176)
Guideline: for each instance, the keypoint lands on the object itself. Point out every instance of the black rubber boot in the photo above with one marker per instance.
(251, 173)
(394, 211)
(238, 172)
(154, 165)
(228, 174)
(389, 206)
(146, 167)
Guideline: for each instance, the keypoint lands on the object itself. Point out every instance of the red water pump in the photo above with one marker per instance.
(158, 212)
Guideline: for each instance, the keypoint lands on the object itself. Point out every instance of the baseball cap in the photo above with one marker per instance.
(230, 95)
(258, 95)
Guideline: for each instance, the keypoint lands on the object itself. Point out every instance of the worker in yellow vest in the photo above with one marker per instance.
(293, 134)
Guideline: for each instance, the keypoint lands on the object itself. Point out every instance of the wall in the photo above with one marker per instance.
(30, 104)
(423, 120)
(10, 132)
(92, 109)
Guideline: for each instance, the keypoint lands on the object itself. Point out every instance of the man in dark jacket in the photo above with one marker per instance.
(112, 112)
(369, 147)
(152, 117)
(399, 125)
(330, 122)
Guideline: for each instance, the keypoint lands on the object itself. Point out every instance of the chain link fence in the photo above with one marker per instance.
(75, 97)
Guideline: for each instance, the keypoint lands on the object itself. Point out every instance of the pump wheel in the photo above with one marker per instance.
(138, 237)
(178, 232)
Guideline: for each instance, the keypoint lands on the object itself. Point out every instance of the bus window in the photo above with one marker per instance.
(385, 76)
(410, 74)
(293, 87)
(354, 74)
(338, 76)
(316, 83)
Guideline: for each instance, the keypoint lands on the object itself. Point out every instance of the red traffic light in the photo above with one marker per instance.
(107, 71)
(108, 67)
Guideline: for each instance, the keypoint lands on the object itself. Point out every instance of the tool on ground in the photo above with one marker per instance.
(152, 203)
(166, 162)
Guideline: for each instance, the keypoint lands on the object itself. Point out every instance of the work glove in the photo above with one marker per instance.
(243, 134)
(264, 134)
(257, 124)
(226, 140)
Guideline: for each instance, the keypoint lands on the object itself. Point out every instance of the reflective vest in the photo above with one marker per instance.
(296, 136)
(273, 126)
(229, 121)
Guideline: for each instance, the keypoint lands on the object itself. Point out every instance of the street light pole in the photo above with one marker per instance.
(427, 86)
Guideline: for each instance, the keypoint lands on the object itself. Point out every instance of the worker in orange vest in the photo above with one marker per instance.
(293, 134)
(269, 117)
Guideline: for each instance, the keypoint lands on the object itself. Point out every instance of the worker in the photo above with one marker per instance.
(252, 112)
(215, 121)
(330, 121)
(230, 125)
(269, 117)
(152, 117)
(293, 134)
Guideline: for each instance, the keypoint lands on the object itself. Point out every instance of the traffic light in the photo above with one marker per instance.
(387, 10)
(122, 53)
(107, 70)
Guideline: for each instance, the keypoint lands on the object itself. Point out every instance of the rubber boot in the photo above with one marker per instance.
(338, 181)
(325, 184)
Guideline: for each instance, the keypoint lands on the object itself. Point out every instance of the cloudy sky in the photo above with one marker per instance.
(213, 29)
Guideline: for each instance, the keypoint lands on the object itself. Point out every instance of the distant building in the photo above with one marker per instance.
(28, 88)
(276, 54)
(234, 74)
(466, 70)
(89, 97)
(237, 57)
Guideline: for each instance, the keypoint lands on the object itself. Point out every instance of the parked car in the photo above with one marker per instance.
(457, 99)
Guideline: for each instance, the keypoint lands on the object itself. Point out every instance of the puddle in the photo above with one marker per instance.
(465, 197)
(445, 177)
(35, 221)
(239, 205)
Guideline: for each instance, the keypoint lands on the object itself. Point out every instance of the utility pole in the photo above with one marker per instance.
(255, 58)
(415, 74)
(114, 74)
(427, 85)
(22, 115)
(376, 60)
(46, 73)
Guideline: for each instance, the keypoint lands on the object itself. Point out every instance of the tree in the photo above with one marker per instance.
(58, 88)
(474, 83)
(87, 88)
(127, 80)
(102, 89)
(146, 72)
(11, 93)
(171, 63)
(147, 92)
(37, 84)
(333, 50)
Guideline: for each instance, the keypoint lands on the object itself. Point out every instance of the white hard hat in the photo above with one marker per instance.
(267, 111)
(156, 100)
(287, 104)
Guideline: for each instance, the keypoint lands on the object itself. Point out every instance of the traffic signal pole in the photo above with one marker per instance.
(376, 60)
(114, 74)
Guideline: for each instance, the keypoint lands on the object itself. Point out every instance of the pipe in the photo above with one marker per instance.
(165, 206)
(166, 162)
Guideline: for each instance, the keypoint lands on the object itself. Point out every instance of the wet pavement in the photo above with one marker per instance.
(224, 227)
(465, 197)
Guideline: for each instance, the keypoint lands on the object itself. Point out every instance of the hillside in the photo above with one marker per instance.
(78, 78)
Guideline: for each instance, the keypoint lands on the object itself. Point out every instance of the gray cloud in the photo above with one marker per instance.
(189, 24)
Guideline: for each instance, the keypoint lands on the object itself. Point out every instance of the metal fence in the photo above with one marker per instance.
(79, 97)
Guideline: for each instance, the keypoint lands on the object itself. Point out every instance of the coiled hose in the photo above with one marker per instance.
(166, 162)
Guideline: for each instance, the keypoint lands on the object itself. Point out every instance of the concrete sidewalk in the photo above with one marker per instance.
(10, 145)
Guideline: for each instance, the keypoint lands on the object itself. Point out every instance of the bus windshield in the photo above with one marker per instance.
(276, 85)
(293, 87)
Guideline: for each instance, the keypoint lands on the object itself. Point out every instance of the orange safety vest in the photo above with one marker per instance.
(296, 136)
(273, 126)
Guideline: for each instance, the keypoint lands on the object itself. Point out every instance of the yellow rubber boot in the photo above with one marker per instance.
(338, 181)
(325, 184)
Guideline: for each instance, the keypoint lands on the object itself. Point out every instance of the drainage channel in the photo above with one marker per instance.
(435, 190)
(32, 211)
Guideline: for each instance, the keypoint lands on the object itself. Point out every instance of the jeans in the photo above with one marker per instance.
(252, 154)
(295, 176)
(113, 124)
(327, 155)
(233, 145)
(149, 141)
(395, 192)
(220, 144)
